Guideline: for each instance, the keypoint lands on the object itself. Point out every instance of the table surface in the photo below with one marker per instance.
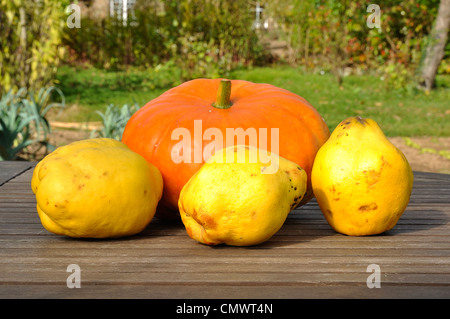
(305, 259)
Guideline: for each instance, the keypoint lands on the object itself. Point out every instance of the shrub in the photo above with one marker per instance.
(333, 35)
(201, 37)
(30, 43)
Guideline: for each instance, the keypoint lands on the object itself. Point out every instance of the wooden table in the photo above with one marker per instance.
(305, 259)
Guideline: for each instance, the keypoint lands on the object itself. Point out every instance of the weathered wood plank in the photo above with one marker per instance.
(229, 278)
(294, 251)
(12, 169)
(227, 292)
(181, 241)
(236, 267)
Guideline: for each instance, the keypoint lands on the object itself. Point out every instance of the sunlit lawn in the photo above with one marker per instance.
(399, 112)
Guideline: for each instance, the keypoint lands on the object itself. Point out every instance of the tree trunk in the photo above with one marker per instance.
(436, 46)
(23, 45)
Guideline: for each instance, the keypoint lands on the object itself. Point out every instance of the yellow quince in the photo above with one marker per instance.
(361, 181)
(241, 196)
(96, 188)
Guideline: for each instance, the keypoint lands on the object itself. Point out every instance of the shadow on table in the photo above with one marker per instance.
(415, 221)
(304, 225)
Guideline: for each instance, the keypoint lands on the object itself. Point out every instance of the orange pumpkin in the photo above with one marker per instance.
(174, 130)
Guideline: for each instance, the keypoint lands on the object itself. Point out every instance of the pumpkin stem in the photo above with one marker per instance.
(223, 95)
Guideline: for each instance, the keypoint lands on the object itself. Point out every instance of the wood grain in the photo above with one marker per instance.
(305, 259)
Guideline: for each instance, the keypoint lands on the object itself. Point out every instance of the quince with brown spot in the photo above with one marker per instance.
(240, 198)
(96, 188)
(361, 181)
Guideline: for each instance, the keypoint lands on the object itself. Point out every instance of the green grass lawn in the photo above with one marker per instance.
(89, 90)
(398, 112)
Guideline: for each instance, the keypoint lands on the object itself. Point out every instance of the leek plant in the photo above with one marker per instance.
(114, 120)
(23, 121)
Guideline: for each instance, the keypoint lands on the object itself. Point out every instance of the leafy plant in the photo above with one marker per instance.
(114, 120)
(409, 142)
(23, 123)
(30, 43)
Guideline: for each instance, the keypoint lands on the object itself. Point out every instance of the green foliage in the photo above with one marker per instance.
(23, 123)
(333, 35)
(396, 76)
(30, 43)
(199, 37)
(409, 142)
(114, 120)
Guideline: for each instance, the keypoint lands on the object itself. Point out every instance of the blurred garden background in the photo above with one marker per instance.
(77, 69)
